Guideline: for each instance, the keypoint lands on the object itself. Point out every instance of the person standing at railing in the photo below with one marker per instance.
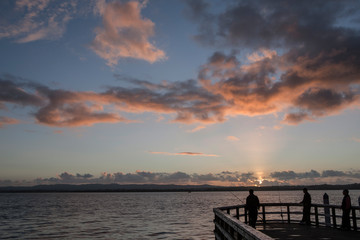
(346, 207)
(252, 206)
(306, 202)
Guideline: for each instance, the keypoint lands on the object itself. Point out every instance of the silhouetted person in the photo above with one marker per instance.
(346, 207)
(306, 202)
(252, 206)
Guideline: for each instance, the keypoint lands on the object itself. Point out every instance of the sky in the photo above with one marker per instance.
(215, 92)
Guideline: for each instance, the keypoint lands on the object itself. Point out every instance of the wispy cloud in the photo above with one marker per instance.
(125, 34)
(7, 121)
(196, 129)
(232, 138)
(40, 19)
(185, 154)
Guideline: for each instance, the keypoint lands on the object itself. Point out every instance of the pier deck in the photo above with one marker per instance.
(281, 221)
(294, 231)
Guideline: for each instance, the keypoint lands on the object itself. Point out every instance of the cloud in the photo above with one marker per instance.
(29, 21)
(226, 178)
(63, 108)
(7, 121)
(198, 128)
(303, 60)
(125, 34)
(261, 55)
(13, 91)
(295, 61)
(185, 154)
(232, 138)
(288, 175)
(315, 175)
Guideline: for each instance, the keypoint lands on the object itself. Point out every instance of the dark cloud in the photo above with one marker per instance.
(333, 173)
(17, 92)
(223, 178)
(284, 175)
(316, 100)
(262, 23)
(289, 175)
(313, 68)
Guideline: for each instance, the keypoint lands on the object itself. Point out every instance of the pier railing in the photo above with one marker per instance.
(231, 222)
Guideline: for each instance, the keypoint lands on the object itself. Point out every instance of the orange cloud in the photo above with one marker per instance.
(7, 121)
(232, 138)
(303, 93)
(125, 34)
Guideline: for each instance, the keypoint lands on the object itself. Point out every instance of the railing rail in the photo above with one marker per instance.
(232, 220)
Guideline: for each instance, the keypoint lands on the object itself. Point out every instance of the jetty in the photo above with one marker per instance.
(282, 221)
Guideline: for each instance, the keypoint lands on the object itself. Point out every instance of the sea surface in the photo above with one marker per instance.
(165, 215)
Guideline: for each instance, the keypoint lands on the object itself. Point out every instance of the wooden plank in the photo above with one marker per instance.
(244, 230)
(333, 216)
(224, 232)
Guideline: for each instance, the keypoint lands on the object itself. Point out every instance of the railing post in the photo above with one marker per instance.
(326, 210)
(237, 213)
(333, 217)
(263, 214)
(245, 215)
(316, 216)
(288, 213)
(354, 219)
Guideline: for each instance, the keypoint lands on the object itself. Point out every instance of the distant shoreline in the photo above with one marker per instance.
(163, 188)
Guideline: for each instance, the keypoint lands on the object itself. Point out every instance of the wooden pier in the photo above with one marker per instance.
(281, 221)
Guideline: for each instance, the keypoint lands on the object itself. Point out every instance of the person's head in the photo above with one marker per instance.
(346, 192)
(251, 191)
(305, 190)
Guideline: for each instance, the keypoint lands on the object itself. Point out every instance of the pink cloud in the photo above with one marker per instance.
(198, 128)
(125, 34)
(185, 154)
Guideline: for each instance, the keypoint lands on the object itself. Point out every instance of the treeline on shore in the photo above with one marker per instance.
(164, 188)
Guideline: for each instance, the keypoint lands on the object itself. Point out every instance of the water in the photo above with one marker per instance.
(166, 215)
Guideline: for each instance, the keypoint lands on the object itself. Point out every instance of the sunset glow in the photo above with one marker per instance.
(186, 92)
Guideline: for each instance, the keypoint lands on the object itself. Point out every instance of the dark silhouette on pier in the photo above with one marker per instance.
(346, 207)
(252, 206)
(306, 202)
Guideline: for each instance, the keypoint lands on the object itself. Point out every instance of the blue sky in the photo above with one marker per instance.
(187, 92)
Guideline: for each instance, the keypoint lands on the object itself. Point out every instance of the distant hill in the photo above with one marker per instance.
(161, 188)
